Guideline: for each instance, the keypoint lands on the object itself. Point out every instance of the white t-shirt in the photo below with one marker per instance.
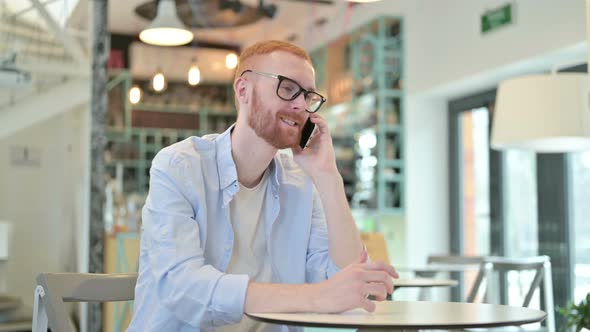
(250, 255)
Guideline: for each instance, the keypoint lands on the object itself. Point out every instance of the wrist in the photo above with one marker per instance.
(311, 297)
(328, 177)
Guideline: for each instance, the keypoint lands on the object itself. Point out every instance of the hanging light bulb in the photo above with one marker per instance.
(166, 29)
(194, 74)
(159, 81)
(135, 95)
(231, 61)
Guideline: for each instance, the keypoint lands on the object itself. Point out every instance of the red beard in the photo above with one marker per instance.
(267, 125)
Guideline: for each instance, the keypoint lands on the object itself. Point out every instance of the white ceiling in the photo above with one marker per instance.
(292, 17)
(60, 10)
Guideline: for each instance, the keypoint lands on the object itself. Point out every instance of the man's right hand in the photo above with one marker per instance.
(349, 288)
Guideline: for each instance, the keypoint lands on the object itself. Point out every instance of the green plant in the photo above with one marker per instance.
(577, 315)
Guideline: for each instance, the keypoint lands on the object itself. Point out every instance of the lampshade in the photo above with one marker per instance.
(544, 113)
(166, 29)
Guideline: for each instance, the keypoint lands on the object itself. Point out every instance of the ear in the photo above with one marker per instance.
(242, 88)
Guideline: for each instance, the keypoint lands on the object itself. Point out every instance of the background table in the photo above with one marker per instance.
(431, 270)
(390, 316)
(423, 284)
(434, 270)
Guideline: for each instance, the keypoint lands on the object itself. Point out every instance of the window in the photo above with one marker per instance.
(474, 141)
(580, 184)
(520, 203)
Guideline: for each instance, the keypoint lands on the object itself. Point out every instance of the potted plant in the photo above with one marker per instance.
(577, 315)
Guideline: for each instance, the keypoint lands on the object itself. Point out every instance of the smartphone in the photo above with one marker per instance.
(306, 133)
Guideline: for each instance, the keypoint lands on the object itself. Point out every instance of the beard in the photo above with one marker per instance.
(265, 124)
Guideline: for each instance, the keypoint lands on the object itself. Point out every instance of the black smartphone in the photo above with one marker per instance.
(306, 133)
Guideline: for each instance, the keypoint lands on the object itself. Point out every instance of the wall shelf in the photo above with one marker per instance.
(132, 145)
(363, 75)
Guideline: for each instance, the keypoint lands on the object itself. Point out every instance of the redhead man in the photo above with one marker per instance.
(232, 225)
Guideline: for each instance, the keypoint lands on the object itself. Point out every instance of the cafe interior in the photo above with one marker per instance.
(461, 130)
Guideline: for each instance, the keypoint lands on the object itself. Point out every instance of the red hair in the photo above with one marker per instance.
(267, 47)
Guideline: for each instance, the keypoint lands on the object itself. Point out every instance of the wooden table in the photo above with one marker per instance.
(392, 316)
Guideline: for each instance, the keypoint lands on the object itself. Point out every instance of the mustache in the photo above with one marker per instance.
(299, 118)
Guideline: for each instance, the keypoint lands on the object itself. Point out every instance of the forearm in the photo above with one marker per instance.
(264, 297)
(344, 238)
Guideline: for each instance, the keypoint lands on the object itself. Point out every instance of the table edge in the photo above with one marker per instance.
(393, 326)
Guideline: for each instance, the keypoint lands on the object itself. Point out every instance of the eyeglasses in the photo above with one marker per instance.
(288, 90)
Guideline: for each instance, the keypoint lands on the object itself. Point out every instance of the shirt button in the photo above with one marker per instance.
(227, 248)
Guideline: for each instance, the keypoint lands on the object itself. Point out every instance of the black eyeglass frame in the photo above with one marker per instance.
(282, 78)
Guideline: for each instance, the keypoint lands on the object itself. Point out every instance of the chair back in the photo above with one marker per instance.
(454, 260)
(54, 289)
(542, 280)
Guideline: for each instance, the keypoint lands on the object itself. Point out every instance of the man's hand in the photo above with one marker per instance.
(318, 158)
(350, 288)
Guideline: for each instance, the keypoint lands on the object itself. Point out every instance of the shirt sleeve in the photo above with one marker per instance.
(319, 265)
(192, 291)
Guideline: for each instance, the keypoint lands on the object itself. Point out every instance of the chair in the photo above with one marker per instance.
(454, 264)
(56, 288)
(541, 265)
(455, 260)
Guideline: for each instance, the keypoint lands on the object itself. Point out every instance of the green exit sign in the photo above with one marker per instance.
(496, 18)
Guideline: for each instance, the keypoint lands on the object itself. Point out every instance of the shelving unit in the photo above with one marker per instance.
(137, 132)
(368, 117)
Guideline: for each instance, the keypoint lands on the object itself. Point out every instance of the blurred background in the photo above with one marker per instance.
(412, 87)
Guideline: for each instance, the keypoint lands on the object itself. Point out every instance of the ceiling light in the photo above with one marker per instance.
(135, 95)
(235, 5)
(166, 29)
(231, 61)
(159, 81)
(194, 74)
(542, 113)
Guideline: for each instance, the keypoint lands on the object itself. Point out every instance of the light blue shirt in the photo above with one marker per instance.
(187, 237)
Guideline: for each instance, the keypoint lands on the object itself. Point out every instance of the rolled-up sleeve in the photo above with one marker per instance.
(319, 265)
(191, 290)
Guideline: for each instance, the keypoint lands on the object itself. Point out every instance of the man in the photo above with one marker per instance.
(231, 226)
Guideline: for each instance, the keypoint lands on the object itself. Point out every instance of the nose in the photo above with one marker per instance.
(299, 103)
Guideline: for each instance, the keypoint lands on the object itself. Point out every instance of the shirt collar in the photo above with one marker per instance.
(228, 174)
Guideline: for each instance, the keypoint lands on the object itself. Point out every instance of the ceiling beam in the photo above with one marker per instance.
(28, 9)
(43, 106)
(70, 44)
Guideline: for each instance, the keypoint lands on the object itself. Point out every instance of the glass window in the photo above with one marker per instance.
(476, 181)
(520, 203)
(580, 180)
(520, 216)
